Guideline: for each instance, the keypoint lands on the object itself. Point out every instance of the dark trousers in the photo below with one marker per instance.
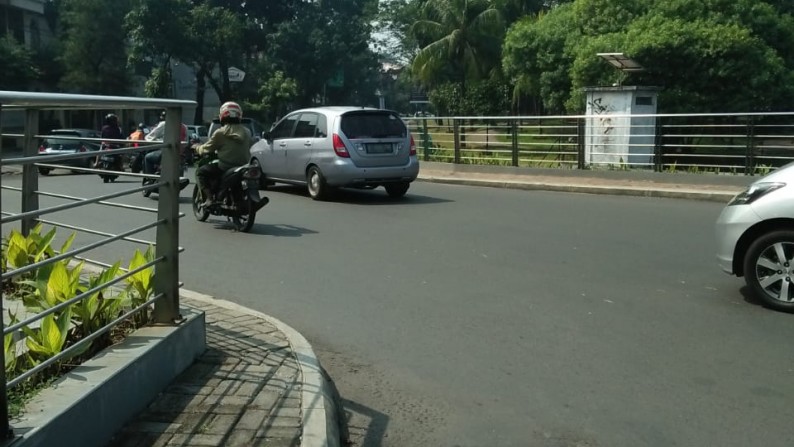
(207, 173)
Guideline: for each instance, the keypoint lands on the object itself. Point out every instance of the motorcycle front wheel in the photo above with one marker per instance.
(243, 222)
(144, 182)
(200, 213)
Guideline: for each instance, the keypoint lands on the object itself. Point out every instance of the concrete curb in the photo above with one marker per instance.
(715, 196)
(319, 421)
(83, 407)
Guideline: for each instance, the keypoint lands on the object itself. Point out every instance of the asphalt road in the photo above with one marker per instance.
(465, 316)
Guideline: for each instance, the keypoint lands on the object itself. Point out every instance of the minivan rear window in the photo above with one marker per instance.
(50, 142)
(373, 125)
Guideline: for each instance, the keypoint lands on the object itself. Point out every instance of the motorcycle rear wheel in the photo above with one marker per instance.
(200, 213)
(244, 222)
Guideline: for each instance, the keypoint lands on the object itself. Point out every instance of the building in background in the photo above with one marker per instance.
(25, 21)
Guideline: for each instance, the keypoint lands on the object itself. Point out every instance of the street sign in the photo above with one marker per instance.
(236, 75)
(418, 96)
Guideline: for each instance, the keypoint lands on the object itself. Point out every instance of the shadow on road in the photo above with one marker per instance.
(279, 230)
(362, 196)
(748, 296)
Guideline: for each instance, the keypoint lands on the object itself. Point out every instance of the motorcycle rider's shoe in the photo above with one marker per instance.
(208, 199)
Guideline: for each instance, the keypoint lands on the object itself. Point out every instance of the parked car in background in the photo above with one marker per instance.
(332, 147)
(200, 131)
(254, 126)
(67, 141)
(755, 238)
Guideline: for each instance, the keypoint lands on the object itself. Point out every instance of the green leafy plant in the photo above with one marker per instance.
(763, 169)
(141, 282)
(53, 285)
(56, 283)
(50, 338)
(141, 285)
(20, 251)
(98, 309)
(10, 350)
(23, 251)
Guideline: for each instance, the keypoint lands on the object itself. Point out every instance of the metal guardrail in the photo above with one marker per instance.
(166, 263)
(726, 143)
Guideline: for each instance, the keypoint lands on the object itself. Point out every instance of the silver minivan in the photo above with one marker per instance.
(332, 147)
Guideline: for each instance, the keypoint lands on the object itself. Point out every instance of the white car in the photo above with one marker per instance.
(755, 238)
(200, 131)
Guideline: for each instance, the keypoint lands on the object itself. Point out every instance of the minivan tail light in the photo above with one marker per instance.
(412, 150)
(339, 147)
(42, 148)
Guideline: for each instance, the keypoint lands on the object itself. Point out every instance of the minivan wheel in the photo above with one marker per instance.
(396, 189)
(769, 269)
(315, 182)
(45, 171)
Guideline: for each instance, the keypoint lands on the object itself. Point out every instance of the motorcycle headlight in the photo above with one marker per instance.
(755, 192)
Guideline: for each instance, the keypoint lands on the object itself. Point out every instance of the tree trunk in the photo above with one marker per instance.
(201, 87)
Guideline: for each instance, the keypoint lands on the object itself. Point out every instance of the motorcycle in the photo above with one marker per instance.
(183, 182)
(136, 162)
(108, 162)
(236, 193)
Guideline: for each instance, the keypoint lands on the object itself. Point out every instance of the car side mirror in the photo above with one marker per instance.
(266, 135)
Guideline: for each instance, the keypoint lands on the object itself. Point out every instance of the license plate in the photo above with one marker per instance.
(379, 148)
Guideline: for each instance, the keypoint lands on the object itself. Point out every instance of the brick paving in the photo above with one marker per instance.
(244, 391)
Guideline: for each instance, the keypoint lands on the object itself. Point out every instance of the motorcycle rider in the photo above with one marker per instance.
(111, 131)
(138, 135)
(153, 158)
(136, 162)
(232, 144)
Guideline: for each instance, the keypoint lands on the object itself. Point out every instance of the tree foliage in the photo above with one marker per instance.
(481, 98)
(18, 68)
(326, 51)
(460, 41)
(93, 50)
(712, 55)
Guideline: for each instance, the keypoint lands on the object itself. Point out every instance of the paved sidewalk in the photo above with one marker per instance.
(258, 384)
(712, 187)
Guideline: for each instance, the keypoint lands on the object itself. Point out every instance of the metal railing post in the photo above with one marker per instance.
(456, 135)
(580, 143)
(5, 427)
(658, 154)
(749, 154)
(30, 175)
(487, 134)
(514, 141)
(166, 278)
(425, 141)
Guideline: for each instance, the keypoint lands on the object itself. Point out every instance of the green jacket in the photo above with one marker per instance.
(232, 143)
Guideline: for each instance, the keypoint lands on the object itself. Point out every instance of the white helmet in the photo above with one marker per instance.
(230, 109)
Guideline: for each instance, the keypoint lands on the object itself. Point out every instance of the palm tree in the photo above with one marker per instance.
(463, 39)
